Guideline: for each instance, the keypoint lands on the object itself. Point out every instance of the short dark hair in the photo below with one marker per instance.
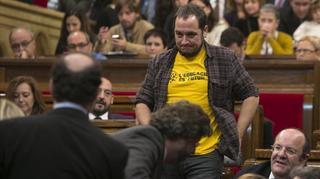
(192, 10)
(231, 35)
(156, 33)
(182, 120)
(131, 4)
(79, 87)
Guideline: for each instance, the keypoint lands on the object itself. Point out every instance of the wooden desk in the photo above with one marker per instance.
(126, 74)
(110, 126)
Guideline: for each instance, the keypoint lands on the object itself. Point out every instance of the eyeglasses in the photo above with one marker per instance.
(287, 150)
(23, 44)
(304, 50)
(80, 45)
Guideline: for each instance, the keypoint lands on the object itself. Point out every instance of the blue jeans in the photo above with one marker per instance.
(209, 166)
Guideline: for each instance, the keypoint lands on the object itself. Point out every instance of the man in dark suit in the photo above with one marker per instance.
(63, 143)
(290, 150)
(172, 135)
(103, 102)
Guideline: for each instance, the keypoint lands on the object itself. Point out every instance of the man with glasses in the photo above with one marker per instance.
(22, 43)
(290, 150)
(80, 42)
(308, 48)
(103, 102)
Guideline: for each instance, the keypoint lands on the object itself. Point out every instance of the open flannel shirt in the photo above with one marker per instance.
(228, 82)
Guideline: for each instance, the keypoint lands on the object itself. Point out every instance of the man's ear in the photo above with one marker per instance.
(112, 97)
(205, 31)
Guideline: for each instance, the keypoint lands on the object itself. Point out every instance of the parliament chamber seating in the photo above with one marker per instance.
(295, 82)
(289, 89)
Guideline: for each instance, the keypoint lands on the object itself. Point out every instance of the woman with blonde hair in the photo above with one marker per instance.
(308, 48)
(9, 110)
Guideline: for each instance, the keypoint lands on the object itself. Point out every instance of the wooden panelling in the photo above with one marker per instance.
(17, 14)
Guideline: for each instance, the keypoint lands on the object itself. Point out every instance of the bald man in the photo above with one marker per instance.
(80, 42)
(63, 143)
(104, 100)
(290, 150)
(22, 43)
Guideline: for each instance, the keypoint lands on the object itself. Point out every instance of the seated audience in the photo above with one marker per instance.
(168, 27)
(215, 25)
(103, 103)
(63, 144)
(250, 22)
(290, 150)
(128, 35)
(268, 40)
(305, 173)
(22, 43)
(9, 110)
(308, 48)
(74, 20)
(155, 41)
(291, 17)
(234, 12)
(79, 41)
(24, 92)
(233, 39)
(173, 134)
(311, 27)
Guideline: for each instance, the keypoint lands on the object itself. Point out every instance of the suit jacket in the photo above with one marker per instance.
(263, 169)
(146, 151)
(60, 144)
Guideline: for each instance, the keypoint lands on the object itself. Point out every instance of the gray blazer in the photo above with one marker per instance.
(146, 151)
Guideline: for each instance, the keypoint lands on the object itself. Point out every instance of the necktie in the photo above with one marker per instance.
(97, 118)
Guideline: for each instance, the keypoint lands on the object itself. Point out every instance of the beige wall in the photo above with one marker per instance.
(16, 14)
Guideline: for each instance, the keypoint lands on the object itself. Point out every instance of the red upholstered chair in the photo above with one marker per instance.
(284, 110)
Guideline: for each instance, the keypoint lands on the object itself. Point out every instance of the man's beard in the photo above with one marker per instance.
(192, 53)
(100, 111)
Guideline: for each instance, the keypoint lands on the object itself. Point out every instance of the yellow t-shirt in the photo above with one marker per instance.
(189, 81)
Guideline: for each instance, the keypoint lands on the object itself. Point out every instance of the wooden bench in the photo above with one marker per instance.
(110, 126)
(126, 74)
(263, 155)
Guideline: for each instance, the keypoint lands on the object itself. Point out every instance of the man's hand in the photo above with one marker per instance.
(103, 34)
(24, 54)
(119, 44)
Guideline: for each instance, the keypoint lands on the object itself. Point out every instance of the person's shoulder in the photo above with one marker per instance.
(218, 51)
(261, 169)
(164, 58)
(284, 35)
(115, 28)
(137, 130)
(145, 24)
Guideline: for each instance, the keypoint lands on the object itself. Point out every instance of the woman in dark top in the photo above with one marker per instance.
(74, 20)
(234, 12)
(250, 22)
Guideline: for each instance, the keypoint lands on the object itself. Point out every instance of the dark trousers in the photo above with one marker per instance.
(208, 166)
